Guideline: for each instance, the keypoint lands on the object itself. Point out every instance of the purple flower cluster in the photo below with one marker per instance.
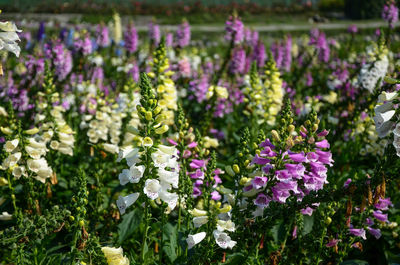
(131, 39)
(282, 53)
(378, 215)
(318, 39)
(183, 34)
(103, 38)
(390, 13)
(84, 45)
(301, 173)
(238, 62)
(234, 29)
(154, 33)
(62, 60)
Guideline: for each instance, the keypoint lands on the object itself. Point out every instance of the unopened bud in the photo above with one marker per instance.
(148, 115)
(236, 168)
(161, 129)
(275, 135)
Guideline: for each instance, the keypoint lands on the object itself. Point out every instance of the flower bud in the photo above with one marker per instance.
(148, 115)
(147, 142)
(6, 130)
(225, 209)
(157, 110)
(229, 170)
(236, 168)
(243, 181)
(275, 135)
(32, 131)
(162, 129)
(291, 128)
(160, 118)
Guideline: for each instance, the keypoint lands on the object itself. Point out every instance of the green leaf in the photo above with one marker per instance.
(308, 224)
(278, 232)
(130, 222)
(235, 259)
(170, 241)
(354, 262)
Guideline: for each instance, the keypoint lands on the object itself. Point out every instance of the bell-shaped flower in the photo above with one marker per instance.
(199, 221)
(384, 96)
(124, 202)
(196, 212)
(170, 150)
(169, 198)
(223, 240)
(358, 232)
(10, 146)
(225, 225)
(195, 239)
(152, 188)
(8, 37)
(111, 148)
(11, 160)
(170, 177)
(125, 177)
(36, 164)
(384, 128)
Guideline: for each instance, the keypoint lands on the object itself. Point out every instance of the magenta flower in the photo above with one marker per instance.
(259, 182)
(215, 196)
(358, 232)
(234, 29)
(332, 243)
(260, 160)
(196, 163)
(347, 183)
(375, 232)
(322, 144)
(307, 211)
(383, 204)
(390, 13)
(380, 216)
(262, 200)
(300, 158)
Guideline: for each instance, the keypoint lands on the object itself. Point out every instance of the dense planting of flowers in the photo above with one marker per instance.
(122, 148)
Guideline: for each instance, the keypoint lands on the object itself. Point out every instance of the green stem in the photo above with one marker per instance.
(146, 224)
(321, 242)
(162, 233)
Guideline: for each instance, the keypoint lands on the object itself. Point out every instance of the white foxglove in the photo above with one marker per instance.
(126, 201)
(11, 145)
(200, 220)
(195, 239)
(223, 240)
(152, 188)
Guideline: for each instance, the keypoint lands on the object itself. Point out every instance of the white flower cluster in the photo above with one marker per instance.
(365, 128)
(8, 37)
(224, 224)
(374, 71)
(36, 163)
(384, 113)
(58, 133)
(104, 125)
(165, 161)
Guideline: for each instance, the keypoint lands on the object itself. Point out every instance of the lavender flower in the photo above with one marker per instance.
(131, 39)
(183, 34)
(154, 33)
(103, 39)
(390, 14)
(234, 29)
(238, 61)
